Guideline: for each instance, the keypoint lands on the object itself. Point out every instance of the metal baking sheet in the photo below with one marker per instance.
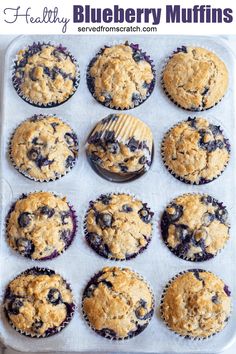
(157, 264)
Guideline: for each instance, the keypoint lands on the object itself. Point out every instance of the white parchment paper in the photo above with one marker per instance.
(157, 264)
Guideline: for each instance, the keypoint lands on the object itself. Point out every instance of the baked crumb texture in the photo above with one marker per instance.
(118, 226)
(44, 148)
(38, 303)
(45, 75)
(196, 304)
(121, 76)
(195, 151)
(40, 225)
(118, 303)
(195, 78)
(195, 227)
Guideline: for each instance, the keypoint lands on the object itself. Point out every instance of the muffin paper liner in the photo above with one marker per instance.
(183, 49)
(55, 253)
(50, 331)
(17, 84)
(182, 179)
(115, 176)
(100, 253)
(105, 332)
(24, 173)
(90, 80)
(175, 252)
(189, 337)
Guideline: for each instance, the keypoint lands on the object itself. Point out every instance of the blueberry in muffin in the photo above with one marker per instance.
(196, 304)
(121, 76)
(195, 227)
(120, 147)
(45, 75)
(43, 148)
(118, 226)
(195, 151)
(40, 225)
(195, 78)
(128, 299)
(38, 303)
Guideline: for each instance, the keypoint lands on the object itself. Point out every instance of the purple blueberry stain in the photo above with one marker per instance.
(105, 199)
(25, 246)
(34, 153)
(54, 125)
(15, 305)
(142, 160)
(64, 216)
(54, 296)
(113, 148)
(133, 144)
(227, 291)
(45, 210)
(207, 218)
(104, 220)
(71, 139)
(215, 299)
(24, 219)
(70, 161)
(222, 214)
(145, 214)
(174, 212)
(127, 208)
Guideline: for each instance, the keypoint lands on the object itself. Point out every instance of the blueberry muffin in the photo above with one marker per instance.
(195, 78)
(196, 304)
(40, 225)
(120, 147)
(128, 300)
(121, 76)
(195, 151)
(195, 227)
(118, 226)
(45, 75)
(38, 303)
(43, 148)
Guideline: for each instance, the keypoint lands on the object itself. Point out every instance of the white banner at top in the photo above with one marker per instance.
(117, 17)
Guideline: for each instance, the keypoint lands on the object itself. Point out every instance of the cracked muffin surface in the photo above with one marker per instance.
(121, 76)
(44, 148)
(128, 303)
(118, 226)
(38, 303)
(195, 78)
(121, 144)
(196, 304)
(45, 74)
(195, 151)
(40, 225)
(195, 226)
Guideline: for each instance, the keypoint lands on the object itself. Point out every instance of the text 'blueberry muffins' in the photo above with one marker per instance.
(196, 304)
(38, 303)
(118, 303)
(43, 148)
(41, 225)
(195, 227)
(195, 151)
(45, 75)
(120, 147)
(121, 76)
(195, 78)
(118, 226)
